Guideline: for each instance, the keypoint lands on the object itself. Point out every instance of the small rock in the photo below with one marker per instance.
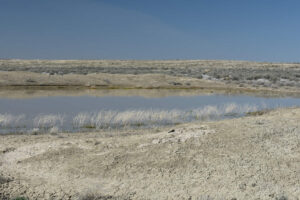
(271, 195)
(282, 198)
(4, 180)
(156, 141)
(8, 150)
(176, 83)
(243, 186)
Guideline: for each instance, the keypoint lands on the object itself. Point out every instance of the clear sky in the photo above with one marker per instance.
(261, 30)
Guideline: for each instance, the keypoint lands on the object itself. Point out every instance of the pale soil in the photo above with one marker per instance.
(255, 157)
(200, 74)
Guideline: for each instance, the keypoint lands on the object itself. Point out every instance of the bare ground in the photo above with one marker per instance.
(254, 157)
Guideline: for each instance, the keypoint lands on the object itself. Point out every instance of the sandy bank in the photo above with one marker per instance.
(255, 157)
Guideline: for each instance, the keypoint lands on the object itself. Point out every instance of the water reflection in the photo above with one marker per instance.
(83, 113)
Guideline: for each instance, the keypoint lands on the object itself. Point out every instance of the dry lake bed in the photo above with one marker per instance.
(149, 130)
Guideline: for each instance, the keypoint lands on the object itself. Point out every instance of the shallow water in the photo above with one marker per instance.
(84, 113)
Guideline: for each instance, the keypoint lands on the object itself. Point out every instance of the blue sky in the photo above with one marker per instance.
(260, 30)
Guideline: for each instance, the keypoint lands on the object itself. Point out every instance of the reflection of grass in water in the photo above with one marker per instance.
(118, 119)
(106, 119)
(9, 120)
(48, 121)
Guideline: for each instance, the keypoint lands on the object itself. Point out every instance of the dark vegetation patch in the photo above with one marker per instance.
(103, 197)
(257, 113)
(196, 72)
(20, 198)
(9, 149)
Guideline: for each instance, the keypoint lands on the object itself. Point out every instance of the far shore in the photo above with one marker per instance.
(222, 76)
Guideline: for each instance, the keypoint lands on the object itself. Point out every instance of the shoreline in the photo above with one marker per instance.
(279, 79)
(46, 91)
(188, 74)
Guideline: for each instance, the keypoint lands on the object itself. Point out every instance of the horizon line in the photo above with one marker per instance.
(149, 60)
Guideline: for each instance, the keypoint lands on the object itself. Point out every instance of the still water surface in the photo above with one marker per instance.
(83, 113)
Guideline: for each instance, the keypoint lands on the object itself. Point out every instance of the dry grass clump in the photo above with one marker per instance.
(48, 121)
(257, 113)
(10, 120)
(104, 119)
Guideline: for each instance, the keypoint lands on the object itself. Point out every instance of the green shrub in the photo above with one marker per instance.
(20, 198)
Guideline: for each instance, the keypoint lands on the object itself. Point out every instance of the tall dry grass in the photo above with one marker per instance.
(111, 118)
(7, 120)
(48, 121)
